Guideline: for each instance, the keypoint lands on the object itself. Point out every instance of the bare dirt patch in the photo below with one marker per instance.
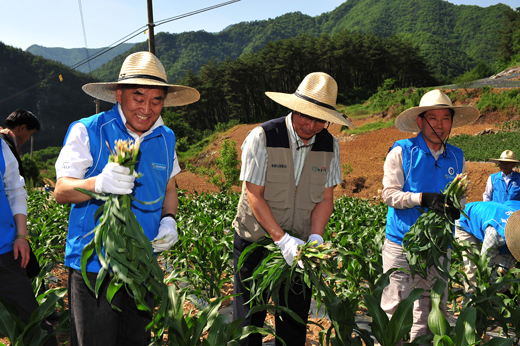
(365, 153)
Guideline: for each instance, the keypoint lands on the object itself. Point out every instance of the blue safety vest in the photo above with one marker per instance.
(501, 192)
(484, 214)
(156, 155)
(421, 174)
(7, 225)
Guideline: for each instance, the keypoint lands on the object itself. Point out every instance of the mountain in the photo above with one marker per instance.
(454, 38)
(73, 56)
(56, 103)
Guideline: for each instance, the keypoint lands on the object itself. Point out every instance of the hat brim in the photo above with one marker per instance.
(177, 95)
(407, 120)
(512, 233)
(295, 103)
(503, 160)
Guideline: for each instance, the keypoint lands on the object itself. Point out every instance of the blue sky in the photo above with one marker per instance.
(57, 23)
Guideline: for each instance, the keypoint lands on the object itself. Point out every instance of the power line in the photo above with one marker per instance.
(115, 45)
(84, 33)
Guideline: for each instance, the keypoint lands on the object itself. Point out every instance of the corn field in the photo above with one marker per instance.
(200, 266)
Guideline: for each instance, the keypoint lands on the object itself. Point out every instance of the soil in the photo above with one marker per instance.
(365, 153)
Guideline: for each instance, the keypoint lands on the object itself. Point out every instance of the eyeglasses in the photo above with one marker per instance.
(308, 119)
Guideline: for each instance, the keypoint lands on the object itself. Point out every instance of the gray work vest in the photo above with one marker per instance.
(291, 205)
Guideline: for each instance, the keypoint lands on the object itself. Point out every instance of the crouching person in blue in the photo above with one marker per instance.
(415, 172)
(140, 94)
(290, 167)
(485, 227)
(15, 286)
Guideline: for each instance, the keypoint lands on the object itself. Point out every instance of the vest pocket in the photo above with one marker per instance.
(276, 187)
(317, 186)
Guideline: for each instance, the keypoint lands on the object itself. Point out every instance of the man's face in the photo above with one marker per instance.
(23, 134)
(440, 121)
(506, 167)
(306, 126)
(141, 106)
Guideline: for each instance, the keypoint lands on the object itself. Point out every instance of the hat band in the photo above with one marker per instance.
(143, 76)
(297, 94)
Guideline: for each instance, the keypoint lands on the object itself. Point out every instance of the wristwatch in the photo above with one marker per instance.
(23, 236)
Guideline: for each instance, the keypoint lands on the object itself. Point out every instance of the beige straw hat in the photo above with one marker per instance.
(315, 97)
(435, 99)
(512, 234)
(506, 156)
(143, 68)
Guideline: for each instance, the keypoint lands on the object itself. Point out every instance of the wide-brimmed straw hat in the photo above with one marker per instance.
(315, 97)
(506, 156)
(435, 99)
(143, 68)
(512, 234)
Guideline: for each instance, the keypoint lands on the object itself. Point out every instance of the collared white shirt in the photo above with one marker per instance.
(393, 181)
(255, 156)
(13, 182)
(75, 158)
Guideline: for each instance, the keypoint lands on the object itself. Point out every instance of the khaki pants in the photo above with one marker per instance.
(402, 284)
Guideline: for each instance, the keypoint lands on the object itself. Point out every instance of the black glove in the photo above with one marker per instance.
(436, 202)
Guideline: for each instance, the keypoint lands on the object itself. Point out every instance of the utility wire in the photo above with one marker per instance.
(116, 44)
(84, 34)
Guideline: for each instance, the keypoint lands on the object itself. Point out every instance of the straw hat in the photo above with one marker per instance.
(316, 97)
(435, 99)
(143, 68)
(512, 234)
(506, 156)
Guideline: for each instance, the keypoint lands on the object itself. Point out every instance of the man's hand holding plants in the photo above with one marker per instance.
(115, 179)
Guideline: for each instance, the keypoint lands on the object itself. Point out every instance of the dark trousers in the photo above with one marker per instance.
(94, 321)
(16, 289)
(292, 332)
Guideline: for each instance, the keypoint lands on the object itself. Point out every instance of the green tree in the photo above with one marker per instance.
(32, 172)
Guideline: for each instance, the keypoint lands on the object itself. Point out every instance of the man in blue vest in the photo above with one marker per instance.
(140, 94)
(485, 226)
(504, 185)
(290, 167)
(15, 286)
(415, 172)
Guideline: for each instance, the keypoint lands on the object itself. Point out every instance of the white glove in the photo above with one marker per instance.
(115, 179)
(315, 237)
(167, 235)
(289, 247)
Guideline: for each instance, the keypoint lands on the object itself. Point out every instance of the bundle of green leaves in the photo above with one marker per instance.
(122, 248)
(431, 235)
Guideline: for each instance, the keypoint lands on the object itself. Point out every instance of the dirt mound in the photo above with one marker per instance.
(365, 154)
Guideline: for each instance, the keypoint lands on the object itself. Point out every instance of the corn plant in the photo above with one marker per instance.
(273, 277)
(431, 235)
(391, 331)
(207, 327)
(463, 334)
(203, 256)
(47, 224)
(123, 250)
(32, 334)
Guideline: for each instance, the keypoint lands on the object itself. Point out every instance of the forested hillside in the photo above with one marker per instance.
(234, 90)
(454, 38)
(73, 56)
(56, 103)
